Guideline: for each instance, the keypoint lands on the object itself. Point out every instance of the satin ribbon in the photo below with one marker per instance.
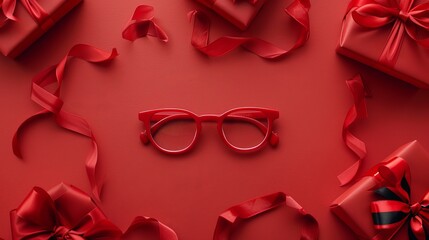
(142, 24)
(229, 220)
(404, 18)
(36, 11)
(298, 10)
(66, 212)
(52, 103)
(357, 112)
(253, 2)
(396, 209)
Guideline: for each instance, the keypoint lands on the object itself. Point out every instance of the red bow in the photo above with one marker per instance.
(391, 214)
(63, 213)
(68, 213)
(7, 8)
(404, 17)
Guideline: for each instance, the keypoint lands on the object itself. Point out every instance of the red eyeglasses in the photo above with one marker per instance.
(175, 131)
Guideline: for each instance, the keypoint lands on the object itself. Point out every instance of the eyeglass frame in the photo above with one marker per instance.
(270, 137)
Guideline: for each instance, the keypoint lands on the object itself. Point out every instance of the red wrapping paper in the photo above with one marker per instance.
(239, 12)
(18, 35)
(412, 58)
(353, 207)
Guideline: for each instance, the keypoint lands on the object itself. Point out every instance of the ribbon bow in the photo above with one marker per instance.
(63, 213)
(405, 18)
(7, 9)
(391, 214)
(66, 212)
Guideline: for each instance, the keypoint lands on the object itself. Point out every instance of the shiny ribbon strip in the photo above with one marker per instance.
(403, 16)
(357, 112)
(66, 212)
(7, 9)
(52, 103)
(253, 2)
(231, 218)
(395, 210)
(142, 24)
(298, 10)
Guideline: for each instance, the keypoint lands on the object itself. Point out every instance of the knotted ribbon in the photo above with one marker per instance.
(142, 24)
(52, 103)
(232, 217)
(68, 213)
(7, 10)
(396, 209)
(405, 18)
(297, 10)
(357, 112)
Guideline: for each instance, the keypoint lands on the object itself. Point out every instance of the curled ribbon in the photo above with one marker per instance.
(230, 219)
(7, 8)
(357, 112)
(396, 209)
(142, 24)
(52, 104)
(68, 213)
(405, 19)
(298, 10)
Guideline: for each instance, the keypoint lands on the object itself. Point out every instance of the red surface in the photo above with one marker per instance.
(189, 192)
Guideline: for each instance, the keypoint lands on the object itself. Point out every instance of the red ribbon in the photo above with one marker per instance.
(405, 19)
(230, 219)
(298, 10)
(396, 210)
(7, 8)
(68, 213)
(357, 112)
(52, 104)
(142, 24)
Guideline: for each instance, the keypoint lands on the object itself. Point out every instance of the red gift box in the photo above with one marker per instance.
(389, 37)
(238, 12)
(16, 36)
(354, 206)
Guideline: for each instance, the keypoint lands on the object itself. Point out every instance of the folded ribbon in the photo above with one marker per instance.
(7, 8)
(68, 213)
(298, 10)
(396, 209)
(142, 24)
(230, 219)
(357, 112)
(52, 104)
(404, 17)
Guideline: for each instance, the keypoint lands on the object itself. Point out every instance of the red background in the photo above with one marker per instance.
(189, 192)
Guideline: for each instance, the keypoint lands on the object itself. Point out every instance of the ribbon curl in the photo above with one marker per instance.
(357, 112)
(396, 209)
(142, 24)
(297, 10)
(52, 104)
(7, 10)
(66, 212)
(230, 219)
(405, 18)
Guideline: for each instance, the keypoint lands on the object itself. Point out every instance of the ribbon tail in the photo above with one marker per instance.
(390, 54)
(356, 112)
(229, 219)
(298, 10)
(16, 143)
(8, 7)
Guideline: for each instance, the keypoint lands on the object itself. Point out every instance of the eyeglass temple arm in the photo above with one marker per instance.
(162, 119)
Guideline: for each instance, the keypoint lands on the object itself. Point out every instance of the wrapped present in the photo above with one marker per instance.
(389, 35)
(23, 22)
(392, 200)
(238, 12)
